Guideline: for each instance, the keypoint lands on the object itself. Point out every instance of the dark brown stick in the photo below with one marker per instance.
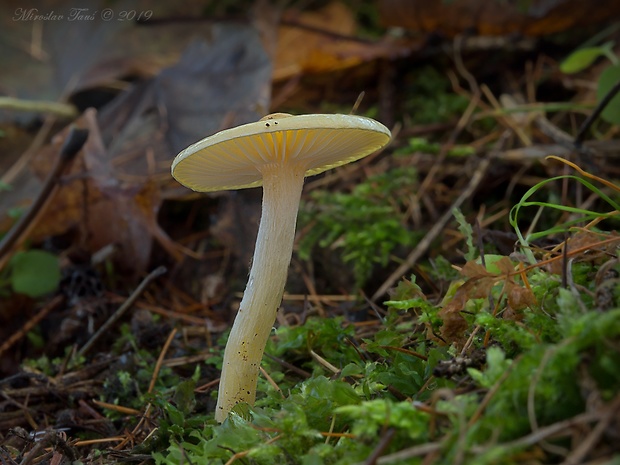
(73, 144)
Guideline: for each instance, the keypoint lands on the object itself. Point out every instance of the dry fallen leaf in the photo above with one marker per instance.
(479, 285)
(324, 40)
(495, 18)
(113, 192)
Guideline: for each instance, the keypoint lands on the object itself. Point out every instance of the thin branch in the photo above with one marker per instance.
(73, 144)
(380, 447)
(160, 359)
(595, 114)
(123, 308)
(63, 110)
(31, 323)
(434, 232)
(608, 415)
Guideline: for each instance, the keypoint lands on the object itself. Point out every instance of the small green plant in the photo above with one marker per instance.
(34, 273)
(577, 215)
(582, 59)
(341, 420)
(547, 350)
(432, 100)
(365, 225)
(420, 144)
(128, 383)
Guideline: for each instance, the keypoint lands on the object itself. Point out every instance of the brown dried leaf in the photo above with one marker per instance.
(113, 192)
(519, 297)
(505, 266)
(453, 328)
(589, 242)
(495, 18)
(454, 325)
(324, 40)
(474, 270)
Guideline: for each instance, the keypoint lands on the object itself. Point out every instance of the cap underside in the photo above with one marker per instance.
(231, 159)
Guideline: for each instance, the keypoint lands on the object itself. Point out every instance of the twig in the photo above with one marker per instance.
(160, 359)
(324, 362)
(289, 22)
(64, 110)
(16, 168)
(123, 308)
(531, 397)
(411, 452)
(581, 134)
(271, 381)
(290, 366)
(489, 395)
(31, 323)
(116, 408)
(380, 447)
(423, 245)
(545, 432)
(584, 173)
(402, 350)
(90, 442)
(73, 144)
(608, 414)
(240, 455)
(434, 232)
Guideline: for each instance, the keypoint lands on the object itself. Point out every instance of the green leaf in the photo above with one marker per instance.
(468, 233)
(609, 78)
(490, 262)
(583, 58)
(34, 273)
(15, 212)
(184, 396)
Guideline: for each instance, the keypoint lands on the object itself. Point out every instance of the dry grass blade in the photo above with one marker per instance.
(585, 173)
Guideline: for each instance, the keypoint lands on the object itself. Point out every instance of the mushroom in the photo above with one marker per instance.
(278, 152)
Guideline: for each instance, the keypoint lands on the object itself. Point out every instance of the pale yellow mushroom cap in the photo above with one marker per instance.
(230, 159)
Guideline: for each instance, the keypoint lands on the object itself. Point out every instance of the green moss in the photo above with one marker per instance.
(364, 226)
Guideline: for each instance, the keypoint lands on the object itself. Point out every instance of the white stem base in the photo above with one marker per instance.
(282, 187)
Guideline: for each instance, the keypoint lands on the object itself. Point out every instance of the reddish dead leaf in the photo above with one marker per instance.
(453, 328)
(505, 265)
(454, 325)
(588, 244)
(479, 285)
(474, 270)
(518, 297)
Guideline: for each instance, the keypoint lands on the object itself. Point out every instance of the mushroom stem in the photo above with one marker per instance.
(282, 186)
